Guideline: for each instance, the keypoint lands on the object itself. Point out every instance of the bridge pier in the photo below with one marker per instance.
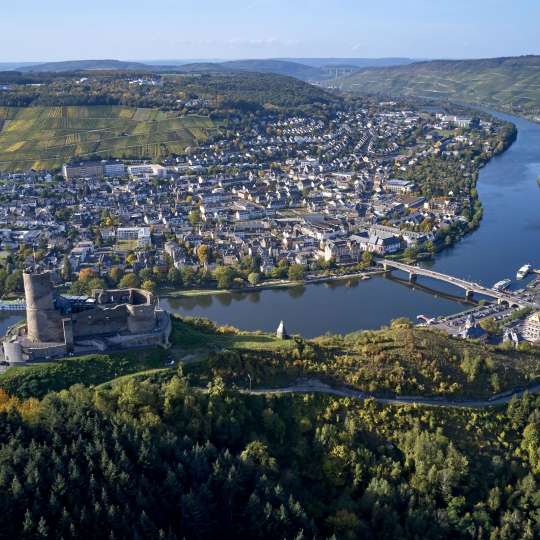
(469, 287)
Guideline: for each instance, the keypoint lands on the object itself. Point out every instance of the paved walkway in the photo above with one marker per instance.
(318, 387)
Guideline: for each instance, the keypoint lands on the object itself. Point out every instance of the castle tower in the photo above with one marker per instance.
(43, 321)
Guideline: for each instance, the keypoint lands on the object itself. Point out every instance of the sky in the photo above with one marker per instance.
(51, 30)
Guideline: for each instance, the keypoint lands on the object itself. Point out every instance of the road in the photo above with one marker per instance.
(317, 387)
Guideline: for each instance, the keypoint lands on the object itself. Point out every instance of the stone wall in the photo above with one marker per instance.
(141, 319)
(99, 321)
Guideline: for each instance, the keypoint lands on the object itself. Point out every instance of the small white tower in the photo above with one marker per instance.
(281, 332)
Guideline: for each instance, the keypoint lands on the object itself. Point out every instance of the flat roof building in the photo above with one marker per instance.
(87, 169)
(397, 185)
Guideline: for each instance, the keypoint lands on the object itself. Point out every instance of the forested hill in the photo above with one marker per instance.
(158, 459)
(511, 84)
(259, 88)
(77, 65)
(237, 89)
(149, 451)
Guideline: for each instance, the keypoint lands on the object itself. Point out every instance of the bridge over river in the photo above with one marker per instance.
(469, 287)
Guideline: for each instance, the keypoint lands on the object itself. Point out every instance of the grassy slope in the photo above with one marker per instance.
(200, 334)
(191, 341)
(392, 361)
(505, 83)
(396, 360)
(421, 361)
(37, 380)
(46, 137)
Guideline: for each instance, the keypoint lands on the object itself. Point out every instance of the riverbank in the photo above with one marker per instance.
(399, 364)
(275, 284)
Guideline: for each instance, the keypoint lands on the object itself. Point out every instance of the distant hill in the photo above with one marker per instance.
(275, 67)
(353, 62)
(279, 67)
(79, 65)
(308, 69)
(201, 67)
(511, 84)
(10, 66)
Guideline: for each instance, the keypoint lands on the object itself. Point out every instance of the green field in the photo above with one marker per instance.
(46, 137)
(38, 379)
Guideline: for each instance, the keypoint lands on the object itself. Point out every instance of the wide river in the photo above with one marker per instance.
(508, 237)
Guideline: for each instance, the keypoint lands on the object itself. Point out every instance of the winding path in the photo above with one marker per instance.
(318, 387)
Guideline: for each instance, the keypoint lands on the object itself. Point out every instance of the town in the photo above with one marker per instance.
(283, 198)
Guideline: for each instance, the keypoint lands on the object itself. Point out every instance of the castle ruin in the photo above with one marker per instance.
(59, 325)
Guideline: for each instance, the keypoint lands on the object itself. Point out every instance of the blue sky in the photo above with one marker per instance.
(174, 29)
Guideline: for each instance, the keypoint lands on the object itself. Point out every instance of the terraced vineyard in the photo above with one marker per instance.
(510, 84)
(46, 137)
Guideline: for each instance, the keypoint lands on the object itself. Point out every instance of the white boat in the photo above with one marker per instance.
(523, 271)
(502, 285)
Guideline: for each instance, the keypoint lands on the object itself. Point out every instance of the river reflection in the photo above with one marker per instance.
(338, 306)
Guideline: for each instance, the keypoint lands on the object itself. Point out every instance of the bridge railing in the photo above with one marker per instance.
(468, 286)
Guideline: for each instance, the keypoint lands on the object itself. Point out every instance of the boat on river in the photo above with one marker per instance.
(524, 271)
(502, 285)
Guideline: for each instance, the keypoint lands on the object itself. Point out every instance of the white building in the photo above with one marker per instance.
(458, 121)
(141, 234)
(395, 185)
(147, 169)
(531, 328)
(114, 169)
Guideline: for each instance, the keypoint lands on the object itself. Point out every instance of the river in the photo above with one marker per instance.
(508, 237)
